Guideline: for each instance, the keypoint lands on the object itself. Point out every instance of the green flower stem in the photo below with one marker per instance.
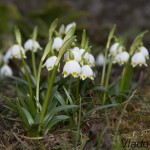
(78, 126)
(38, 83)
(106, 53)
(45, 104)
(124, 75)
(77, 89)
(31, 103)
(34, 65)
(107, 78)
(69, 88)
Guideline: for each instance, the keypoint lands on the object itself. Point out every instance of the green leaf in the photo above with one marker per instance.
(68, 96)
(25, 115)
(56, 110)
(47, 49)
(54, 121)
(69, 34)
(84, 39)
(59, 97)
(99, 108)
(52, 28)
(18, 35)
(64, 48)
(28, 116)
(19, 80)
(35, 31)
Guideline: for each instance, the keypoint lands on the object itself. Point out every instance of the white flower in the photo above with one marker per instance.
(50, 62)
(72, 67)
(58, 42)
(84, 56)
(121, 58)
(5, 71)
(86, 72)
(138, 59)
(100, 60)
(75, 53)
(115, 49)
(144, 51)
(69, 26)
(16, 51)
(91, 60)
(7, 56)
(32, 45)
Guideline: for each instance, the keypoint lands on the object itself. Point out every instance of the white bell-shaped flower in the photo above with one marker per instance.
(121, 58)
(58, 42)
(5, 71)
(71, 67)
(75, 53)
(84, 56)
(115, 49)
(144, 51)
(100, 59)
(91, 61)
(138, 59)
(69, 26)
(7, 56)
(32, 45)
(16, 51)
(50, 62)
(86, 72)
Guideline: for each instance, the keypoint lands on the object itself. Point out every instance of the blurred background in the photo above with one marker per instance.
(97, 16)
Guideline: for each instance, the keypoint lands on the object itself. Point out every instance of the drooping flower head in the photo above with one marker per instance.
(138, 59)
(58, 42)
(16, 52)
(144, 51)
(5, 71)
(69, 26)
(7, 56)
(73, 68)
(115, 49)
(86, 72)
(32, 45)
(76, 54)
(91, 60)
(50, 62)
(121, 58)
(84, 56)
(100, 60)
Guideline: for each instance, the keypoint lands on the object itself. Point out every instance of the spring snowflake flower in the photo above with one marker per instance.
(100, 60)
(76, 54)
(17, 52)
(50, 62)
(91, 60)
(69, 26)
(138, 59)
(121, 58)
(58, 42)
(144, 51)
(5, 71)
(86, 72)
(7, 56)
(32, 45)
(84, 58)
(71, 67)
(115, 49)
